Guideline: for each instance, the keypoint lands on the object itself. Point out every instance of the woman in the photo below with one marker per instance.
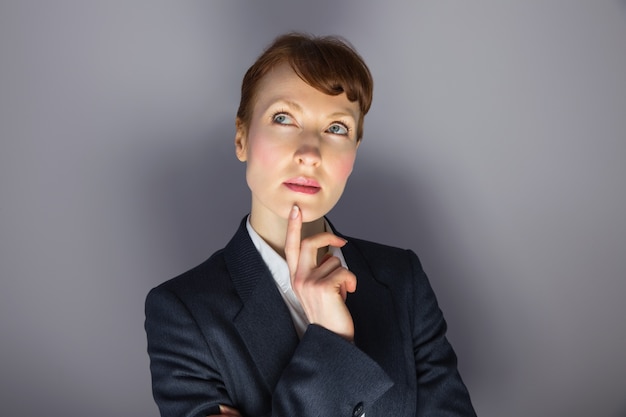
(291, 318)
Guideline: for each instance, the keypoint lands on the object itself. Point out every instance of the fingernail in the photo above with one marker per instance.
(294, 212)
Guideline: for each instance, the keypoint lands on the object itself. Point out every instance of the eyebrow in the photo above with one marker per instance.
(289, 103)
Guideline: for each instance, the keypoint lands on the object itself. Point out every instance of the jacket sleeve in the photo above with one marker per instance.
(184, 382)
(440, 390)
(326, 375)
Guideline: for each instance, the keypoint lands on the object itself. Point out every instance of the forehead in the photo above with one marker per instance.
(282, 85)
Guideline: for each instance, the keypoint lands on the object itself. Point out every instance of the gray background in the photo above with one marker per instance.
(495, 149)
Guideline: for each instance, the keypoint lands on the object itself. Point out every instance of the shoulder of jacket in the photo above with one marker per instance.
(210, 272)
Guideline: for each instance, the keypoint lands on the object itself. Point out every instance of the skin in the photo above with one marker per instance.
(322, 286)
(297, 131)
(290, 135)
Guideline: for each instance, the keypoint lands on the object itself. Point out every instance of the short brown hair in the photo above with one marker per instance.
(328, 64)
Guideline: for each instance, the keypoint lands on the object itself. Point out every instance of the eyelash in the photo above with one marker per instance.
(338, 122)
(278, 113)
(344, 125)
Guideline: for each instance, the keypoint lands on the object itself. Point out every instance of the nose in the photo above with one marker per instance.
(308, 152)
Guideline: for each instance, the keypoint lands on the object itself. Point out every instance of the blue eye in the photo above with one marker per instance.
(338, 129)
(282, 119)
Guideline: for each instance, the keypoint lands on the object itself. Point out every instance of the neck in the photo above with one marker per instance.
(275, 234)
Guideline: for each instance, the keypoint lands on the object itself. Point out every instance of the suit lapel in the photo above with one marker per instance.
(369, 306)
(263, 322)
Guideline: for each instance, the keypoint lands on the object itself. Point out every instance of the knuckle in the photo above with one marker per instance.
(334, 262)
(298, 278)
(347, 275)
(306, 243)
(298, 287)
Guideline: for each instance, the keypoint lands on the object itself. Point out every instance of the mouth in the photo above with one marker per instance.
(303, 185)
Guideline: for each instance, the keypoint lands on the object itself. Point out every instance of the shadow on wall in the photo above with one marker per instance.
(384, 205)
(194, 196)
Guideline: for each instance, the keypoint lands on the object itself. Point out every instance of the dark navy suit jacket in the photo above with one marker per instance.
(221, 334)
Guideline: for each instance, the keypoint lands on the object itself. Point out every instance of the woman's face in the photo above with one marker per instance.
(299, 148)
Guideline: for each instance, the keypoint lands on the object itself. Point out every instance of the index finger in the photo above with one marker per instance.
(292, 240)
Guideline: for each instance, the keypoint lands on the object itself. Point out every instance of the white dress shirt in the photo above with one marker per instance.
(280, 271)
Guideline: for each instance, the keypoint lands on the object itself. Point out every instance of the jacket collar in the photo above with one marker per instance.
(263, 322)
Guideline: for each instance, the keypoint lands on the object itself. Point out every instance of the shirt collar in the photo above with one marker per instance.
(276, 264)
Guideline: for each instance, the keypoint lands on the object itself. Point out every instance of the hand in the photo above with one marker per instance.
(226, 411)
(321, 289)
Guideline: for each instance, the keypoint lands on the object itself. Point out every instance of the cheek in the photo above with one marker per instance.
(344, 165)
(262, 152)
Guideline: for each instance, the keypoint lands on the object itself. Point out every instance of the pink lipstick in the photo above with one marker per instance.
(303, 185)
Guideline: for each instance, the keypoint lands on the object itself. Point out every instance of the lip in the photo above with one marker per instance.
(303, 185)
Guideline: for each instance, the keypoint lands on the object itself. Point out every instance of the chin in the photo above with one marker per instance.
(312, 218)
(310, 214)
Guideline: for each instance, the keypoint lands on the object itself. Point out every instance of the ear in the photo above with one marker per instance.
(241, 140)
